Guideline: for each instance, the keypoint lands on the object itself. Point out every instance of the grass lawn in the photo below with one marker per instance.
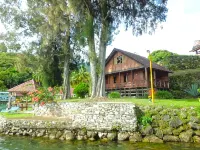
(157, 102)
(15, 115)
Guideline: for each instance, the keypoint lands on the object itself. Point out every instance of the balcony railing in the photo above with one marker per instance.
(137, 84)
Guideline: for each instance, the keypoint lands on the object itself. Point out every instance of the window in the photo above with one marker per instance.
(115, 79)
(126, 77)
(119, 59)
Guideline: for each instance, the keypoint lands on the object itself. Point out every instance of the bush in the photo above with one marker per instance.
(114, 95)
(163, 95)
(193, 90)
(81, 90)
(179, 94)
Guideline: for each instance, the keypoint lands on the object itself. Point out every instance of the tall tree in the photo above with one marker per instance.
(105, 16)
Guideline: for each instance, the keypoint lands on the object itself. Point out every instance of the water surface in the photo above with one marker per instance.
(28, 143)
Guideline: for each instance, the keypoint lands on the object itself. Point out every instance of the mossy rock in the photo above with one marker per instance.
(171, 138)
(196, 139)
(152, 139)
(159, 133)
(178, 131)
(186, 136)
(175, 122)
(135, 137)
(148, 130)
(163, 124)
(167, 131)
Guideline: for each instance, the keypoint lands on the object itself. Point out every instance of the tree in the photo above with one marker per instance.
(103, 17)
(81, 75)
(160, 56)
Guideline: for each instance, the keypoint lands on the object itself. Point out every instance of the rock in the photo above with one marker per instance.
(82, 132)
(58, 134)
(148, 130)
(194, 126)
(183, 115)
(152, 139)
(194, 119)
(163, 124)
(171, 138)
(41, 133)
(62, 137)
(69, 135)
(92, 134)
(52, 136)
(102, 135)
(178, 131)
(159, 133)
(186, 136)
(122, 136)
(196, 139)
(167, 131)
(135, 137)
(175, 122)
(166, 118)
(112, 136)
(197, 132)
(80, 137)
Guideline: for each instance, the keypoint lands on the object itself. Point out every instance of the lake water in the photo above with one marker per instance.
(28, 143)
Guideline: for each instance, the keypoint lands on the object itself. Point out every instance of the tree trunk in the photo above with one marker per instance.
(66, 82)
(92, 55)
(66, 75)
(102, 51)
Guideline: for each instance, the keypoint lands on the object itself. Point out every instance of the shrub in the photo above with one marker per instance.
(114, 95)
(179, 94)
(193, 90)
(81, 90)
(42, 95)
(163, 95)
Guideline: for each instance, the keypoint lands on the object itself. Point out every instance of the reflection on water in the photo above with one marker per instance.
(27, 143)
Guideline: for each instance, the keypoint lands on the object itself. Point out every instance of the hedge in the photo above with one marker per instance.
(181, 62)
(183, 79)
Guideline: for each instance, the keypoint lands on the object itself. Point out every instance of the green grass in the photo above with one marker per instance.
(15, 115)
(157, 102)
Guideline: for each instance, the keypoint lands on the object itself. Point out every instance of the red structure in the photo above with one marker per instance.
(129, 74)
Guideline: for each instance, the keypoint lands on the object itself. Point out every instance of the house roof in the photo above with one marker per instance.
(140, 59)
(196, 46)
(28, 86)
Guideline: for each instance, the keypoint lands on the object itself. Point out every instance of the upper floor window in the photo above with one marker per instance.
(119, 59)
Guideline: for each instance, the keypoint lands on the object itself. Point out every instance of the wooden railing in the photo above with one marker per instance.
(137, 84)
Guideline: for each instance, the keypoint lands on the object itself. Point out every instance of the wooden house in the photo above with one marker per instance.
(129, 74)
(196, 47)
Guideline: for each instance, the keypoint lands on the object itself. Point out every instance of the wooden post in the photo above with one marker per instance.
(119, 79)
(146, 76)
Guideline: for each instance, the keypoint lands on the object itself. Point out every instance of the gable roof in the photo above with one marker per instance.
(140, 59)
(28, 86)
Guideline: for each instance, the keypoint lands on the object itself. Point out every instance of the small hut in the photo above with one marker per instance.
(196, 47)
(24, 88)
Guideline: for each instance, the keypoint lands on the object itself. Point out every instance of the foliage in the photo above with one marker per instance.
(10, 74)
(42, 95)
(81, 90)
(193, 90)
(177, 94)
(145, 120)
(182, 62)
(163, 95)
(114, 95)
(183, 79)
(160, 56)
(81, 75)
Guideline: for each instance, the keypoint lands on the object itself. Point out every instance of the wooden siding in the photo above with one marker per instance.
(127, 63)
(136, 79)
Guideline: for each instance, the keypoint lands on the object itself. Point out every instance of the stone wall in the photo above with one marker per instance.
(93, 116)
(154, 123)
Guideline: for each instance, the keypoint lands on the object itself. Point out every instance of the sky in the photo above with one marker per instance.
(181, 28)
